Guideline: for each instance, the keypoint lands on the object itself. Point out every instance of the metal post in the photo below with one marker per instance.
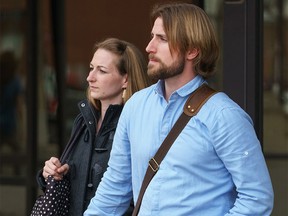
(242, 54)
(32, 103)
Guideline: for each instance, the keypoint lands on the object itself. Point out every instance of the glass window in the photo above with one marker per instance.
(275, 95)
(13, 119)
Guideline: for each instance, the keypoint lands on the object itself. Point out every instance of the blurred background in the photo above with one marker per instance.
(45, 50)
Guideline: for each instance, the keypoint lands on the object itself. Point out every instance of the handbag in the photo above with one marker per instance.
(55, 200)
(191, 108)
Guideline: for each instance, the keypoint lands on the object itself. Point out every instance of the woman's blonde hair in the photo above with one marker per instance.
(131, 62)
(188, 27)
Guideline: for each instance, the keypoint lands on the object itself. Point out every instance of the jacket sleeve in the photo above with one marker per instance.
(39, 177)
(40, 180)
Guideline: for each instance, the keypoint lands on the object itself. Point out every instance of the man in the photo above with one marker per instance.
(215, 166)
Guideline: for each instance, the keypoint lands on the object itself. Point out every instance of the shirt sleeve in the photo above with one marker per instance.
(238, 147)
(114, 193)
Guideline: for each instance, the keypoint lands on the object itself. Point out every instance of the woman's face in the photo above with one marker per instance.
(105, 82)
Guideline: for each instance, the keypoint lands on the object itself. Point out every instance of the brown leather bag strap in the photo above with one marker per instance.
(191, 108)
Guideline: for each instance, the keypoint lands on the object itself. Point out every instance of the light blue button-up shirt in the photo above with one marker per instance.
(215, 166)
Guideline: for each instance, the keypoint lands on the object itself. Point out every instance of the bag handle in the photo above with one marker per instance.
(191, 108)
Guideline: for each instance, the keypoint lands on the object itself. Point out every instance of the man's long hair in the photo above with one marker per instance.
(188, 27)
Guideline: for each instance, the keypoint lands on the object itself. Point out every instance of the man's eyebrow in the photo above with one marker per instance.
(158, 35)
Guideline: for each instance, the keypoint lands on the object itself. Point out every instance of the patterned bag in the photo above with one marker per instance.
(55, 200)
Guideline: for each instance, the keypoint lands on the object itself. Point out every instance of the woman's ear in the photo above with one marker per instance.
(191, 54)
(125, 81)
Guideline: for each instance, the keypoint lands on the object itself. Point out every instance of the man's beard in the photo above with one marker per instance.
(165, 72)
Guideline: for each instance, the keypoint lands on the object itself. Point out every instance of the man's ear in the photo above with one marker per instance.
(191, 54)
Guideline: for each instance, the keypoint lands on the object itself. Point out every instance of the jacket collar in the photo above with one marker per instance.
(91, 115)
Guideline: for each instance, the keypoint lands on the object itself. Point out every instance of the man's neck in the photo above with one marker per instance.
(174, 83)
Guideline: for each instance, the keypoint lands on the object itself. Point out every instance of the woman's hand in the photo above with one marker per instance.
(54, 168)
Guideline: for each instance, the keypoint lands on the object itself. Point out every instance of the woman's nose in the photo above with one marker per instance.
(90, 77)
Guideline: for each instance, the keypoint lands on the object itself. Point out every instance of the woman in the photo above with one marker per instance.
(117, 70)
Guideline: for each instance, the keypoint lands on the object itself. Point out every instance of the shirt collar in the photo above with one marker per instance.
(185, 90)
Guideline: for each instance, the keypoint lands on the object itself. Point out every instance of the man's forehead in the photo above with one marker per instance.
(158, 27)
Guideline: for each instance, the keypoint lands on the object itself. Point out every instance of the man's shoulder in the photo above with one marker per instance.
(217, 104)
(140, 100)
(143, 93)
(220, 101)
(220, 106)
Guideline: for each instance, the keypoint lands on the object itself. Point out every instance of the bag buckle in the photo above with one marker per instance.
(153, 165)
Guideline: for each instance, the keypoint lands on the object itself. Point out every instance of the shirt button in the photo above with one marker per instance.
(90, 122)
(82, 104)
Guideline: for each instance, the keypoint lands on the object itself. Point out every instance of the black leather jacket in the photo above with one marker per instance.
(90, 156)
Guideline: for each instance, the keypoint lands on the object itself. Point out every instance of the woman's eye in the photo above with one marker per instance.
(91, 69)
(102, 71)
